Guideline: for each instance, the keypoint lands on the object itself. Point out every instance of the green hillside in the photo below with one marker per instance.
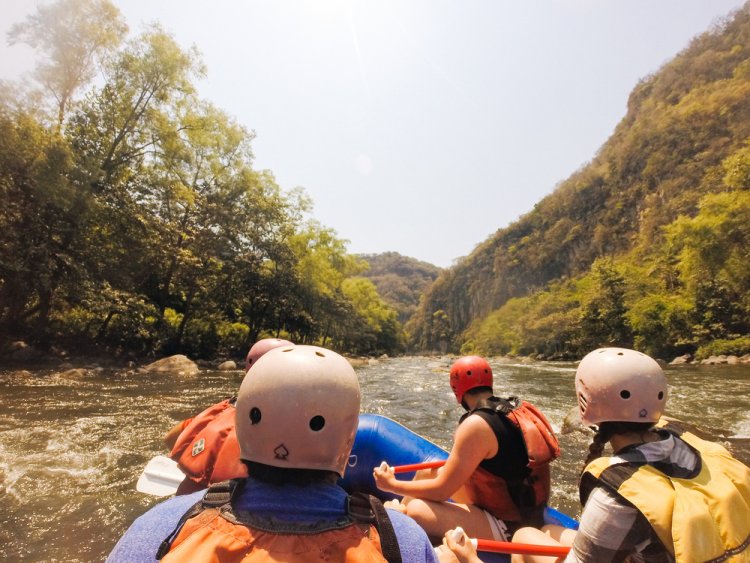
(400, 280)
(646, 245)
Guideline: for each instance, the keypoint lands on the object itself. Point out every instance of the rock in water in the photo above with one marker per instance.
(178, 365)
(572, 422)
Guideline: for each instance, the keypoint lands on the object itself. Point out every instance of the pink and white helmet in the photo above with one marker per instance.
(261, 347)
(620, 385)
(299, 408)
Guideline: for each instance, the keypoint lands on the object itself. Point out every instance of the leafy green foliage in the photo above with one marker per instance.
(645, 246)
(736, 347)
(72, 34)
(400, 280)
(135, 223)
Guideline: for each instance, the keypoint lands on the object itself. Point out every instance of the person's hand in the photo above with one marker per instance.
(395, 504)
(384, 476)
(456, 544)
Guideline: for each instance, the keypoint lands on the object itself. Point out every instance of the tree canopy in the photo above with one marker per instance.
(133, 219)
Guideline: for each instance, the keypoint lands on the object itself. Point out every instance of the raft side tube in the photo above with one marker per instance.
(380, 438)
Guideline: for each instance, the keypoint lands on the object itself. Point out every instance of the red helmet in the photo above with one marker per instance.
(469, 372)
(261, 347)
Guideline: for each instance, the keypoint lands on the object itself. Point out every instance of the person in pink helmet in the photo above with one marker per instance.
(663, 494)
(205, 446)
(497, 472)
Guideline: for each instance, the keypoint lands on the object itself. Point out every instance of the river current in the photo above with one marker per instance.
(73, 445)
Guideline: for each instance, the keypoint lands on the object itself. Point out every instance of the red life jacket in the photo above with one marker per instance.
(211, 531)
(514, 485)
(207, 450)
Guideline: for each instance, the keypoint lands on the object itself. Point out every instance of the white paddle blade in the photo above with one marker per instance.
(160, 478)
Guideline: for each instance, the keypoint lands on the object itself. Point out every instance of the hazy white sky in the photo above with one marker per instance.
(419, 126)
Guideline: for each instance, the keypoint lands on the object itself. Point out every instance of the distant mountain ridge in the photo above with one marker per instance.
(400, 280)
(685, 126)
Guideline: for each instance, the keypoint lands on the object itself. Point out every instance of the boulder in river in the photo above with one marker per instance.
(19, 351)
(177, 364)
(73, 373)
(572, 423)
(679, 360)
(229, 365)
(714, 360)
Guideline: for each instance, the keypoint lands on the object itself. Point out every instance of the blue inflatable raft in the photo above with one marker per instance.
(380, 438)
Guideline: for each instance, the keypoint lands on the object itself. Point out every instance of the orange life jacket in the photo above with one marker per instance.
(515, 485)
(211, 531)
(207, 450)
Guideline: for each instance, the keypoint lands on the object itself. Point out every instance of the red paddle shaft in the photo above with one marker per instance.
(417, 466)
(522, 548)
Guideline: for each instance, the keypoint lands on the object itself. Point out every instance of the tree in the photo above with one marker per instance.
(72, 34)
(379, 318)
(714, 263)
(603, 319)
(35, 187)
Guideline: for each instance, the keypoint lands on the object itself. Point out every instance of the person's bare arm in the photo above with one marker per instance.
(171, 437)
(474, 442)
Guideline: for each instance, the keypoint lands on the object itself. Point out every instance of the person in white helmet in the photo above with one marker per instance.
(297, 413)
(205, 446)
(663, 495)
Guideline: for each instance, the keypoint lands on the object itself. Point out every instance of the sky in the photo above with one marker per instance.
(418, 126)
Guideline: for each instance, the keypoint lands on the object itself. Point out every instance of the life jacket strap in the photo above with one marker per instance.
(366, 508)
(360, 507)
(217, 495)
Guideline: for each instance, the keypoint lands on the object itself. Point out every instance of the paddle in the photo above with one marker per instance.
(521, 548)
(513, 547)
(416, 466)
(160, 477)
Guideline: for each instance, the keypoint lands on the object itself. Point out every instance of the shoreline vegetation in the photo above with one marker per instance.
(23, 358)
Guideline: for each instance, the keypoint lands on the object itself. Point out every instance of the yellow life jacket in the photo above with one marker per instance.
(704, 517)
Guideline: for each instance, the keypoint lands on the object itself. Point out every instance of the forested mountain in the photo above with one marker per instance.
(400, 280)
(648, 245)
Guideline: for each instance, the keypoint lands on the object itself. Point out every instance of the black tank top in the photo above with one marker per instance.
(512, 459)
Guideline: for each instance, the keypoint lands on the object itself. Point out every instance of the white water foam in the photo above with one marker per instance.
(741, 428)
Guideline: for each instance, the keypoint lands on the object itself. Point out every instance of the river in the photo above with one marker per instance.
(72, 446)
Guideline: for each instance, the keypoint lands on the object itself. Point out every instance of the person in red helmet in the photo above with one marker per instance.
(497, 472)
(205, 446)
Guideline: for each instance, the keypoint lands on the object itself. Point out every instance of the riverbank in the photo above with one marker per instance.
(20, 356)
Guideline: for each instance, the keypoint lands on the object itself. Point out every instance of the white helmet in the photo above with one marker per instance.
(620, 385)
(299, 408)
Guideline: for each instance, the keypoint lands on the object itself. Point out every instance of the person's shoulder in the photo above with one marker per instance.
(175, 505)
(145, 534)
(477, 425)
